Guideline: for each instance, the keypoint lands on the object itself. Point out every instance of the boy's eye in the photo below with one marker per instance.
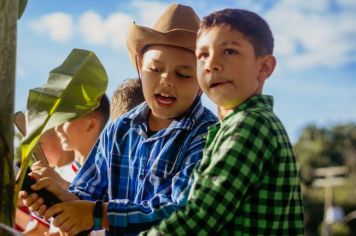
(154, 69)
(230, 51)
(202, 55)
(185, 76)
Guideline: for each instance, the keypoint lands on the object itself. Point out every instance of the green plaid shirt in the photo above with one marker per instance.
(247, 182)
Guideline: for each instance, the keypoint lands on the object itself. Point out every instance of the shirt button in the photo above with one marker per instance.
(141, 177)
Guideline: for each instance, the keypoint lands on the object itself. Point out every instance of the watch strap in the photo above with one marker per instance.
(98, 212)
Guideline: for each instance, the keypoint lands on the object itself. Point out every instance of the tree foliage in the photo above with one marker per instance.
(320, 147)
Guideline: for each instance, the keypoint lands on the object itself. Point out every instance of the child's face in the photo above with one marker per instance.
(51, 147)
(169, 80)
(228, 70)
(72, 134)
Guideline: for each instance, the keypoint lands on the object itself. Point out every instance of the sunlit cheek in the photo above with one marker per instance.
(202, 82)
(200, 75)
(147, 89)
(200, 66)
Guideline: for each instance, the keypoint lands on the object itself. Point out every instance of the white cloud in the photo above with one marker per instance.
(59, 26)
(310, 34)
(110, 31)
(90, 25)
(307, 33)
(148, 11)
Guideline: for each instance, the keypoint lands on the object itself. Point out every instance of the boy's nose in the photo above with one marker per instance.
(166, 81)
(212, 64)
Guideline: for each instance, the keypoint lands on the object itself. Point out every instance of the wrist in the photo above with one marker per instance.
(68, 196)
(64, 184)
(97, 215)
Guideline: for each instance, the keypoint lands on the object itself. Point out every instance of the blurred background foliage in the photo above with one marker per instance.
(319, 147)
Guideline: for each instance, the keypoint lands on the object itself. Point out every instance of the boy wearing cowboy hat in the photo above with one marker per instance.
(140, 170)
(247, 183)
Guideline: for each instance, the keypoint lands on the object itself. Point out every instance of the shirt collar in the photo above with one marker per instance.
(256, 101)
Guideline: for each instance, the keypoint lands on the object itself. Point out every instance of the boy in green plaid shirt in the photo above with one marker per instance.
(247, 182)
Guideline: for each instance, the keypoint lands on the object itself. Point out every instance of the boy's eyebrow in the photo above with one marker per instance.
(231, 42)
(156, 60)
(185, 67)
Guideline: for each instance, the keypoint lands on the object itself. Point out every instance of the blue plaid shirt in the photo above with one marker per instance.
(144, 179)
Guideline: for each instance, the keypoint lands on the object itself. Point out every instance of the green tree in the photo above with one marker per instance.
(319, 147)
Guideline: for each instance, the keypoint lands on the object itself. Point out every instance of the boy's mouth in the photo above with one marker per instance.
(165, 99)
(217, 84)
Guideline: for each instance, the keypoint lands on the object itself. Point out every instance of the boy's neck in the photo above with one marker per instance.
(155, 123)
(65, 159)
(222, 112)
(79, 157)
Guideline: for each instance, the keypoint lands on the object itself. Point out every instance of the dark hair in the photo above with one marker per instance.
(103, 110)
(128, 95)
(252, 26)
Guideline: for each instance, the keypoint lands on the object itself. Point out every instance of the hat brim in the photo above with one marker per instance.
(139, 36)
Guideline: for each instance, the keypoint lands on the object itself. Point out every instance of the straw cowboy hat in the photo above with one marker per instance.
(177, 26)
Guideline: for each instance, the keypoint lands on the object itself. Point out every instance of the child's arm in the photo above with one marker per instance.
(129, 215)
(124, 214)
(220, 186)
(74, 217)
(91, 182)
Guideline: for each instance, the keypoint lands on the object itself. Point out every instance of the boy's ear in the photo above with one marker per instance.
(267, 67)
(92, 123)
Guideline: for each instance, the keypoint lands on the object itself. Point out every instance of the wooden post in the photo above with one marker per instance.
(327, 179)
(8, 28)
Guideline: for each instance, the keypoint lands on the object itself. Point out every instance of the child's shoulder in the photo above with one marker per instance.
(254, 118)
(208, 115)
(199, 115)
(256, 123)
(205, 120)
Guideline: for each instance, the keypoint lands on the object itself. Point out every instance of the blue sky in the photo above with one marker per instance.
(314, 81)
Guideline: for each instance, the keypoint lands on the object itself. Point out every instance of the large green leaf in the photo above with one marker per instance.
(73, 89)
(22, 6)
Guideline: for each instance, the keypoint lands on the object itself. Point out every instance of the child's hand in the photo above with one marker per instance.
(43, 170)
(50, 184)
(33, 202)
(72, 217)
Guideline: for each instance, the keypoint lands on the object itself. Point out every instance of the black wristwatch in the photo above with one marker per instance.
(98, 212)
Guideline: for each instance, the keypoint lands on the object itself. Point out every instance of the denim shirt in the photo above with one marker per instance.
(144, 179)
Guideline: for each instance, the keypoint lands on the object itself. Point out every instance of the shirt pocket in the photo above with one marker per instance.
(165, 167)
(169, 159)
